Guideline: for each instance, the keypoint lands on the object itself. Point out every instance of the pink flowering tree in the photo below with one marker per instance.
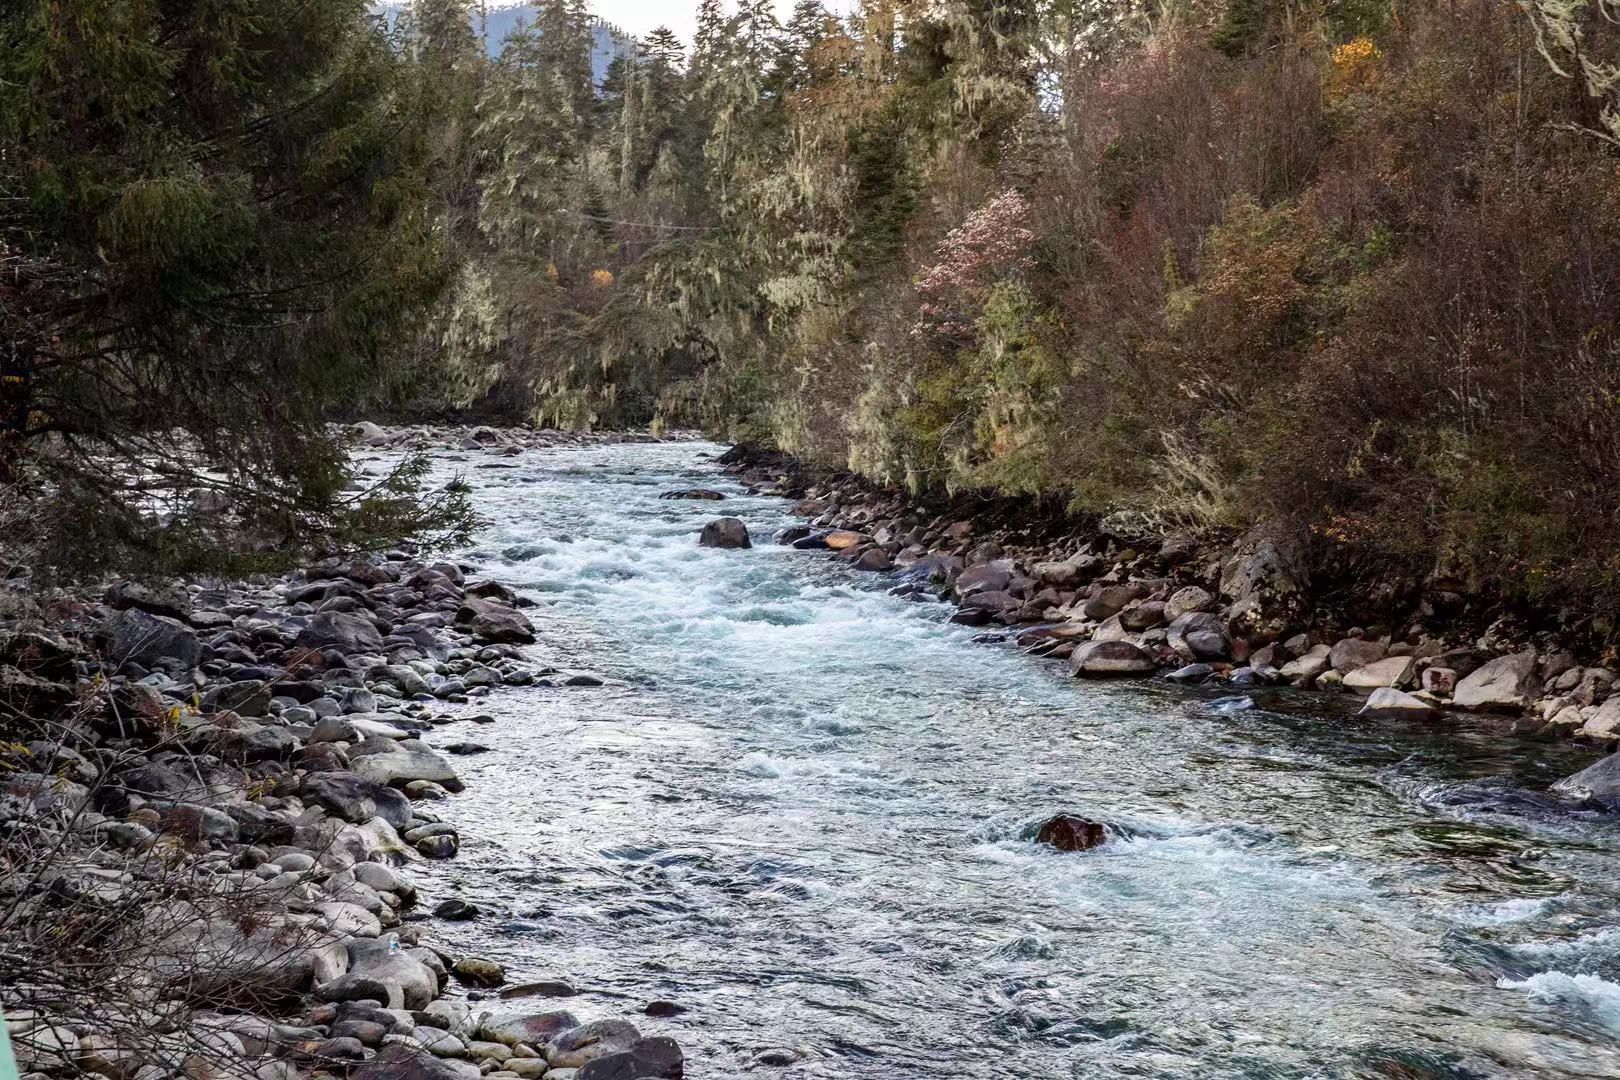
(993, 244)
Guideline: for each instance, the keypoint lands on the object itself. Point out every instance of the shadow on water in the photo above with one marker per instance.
(804, 810)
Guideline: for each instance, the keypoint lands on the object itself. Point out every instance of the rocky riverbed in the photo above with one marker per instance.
(743, 794)
(213, 798)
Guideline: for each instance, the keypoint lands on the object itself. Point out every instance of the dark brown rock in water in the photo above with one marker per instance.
(1069, 833)
(693, 493)
(726, 532)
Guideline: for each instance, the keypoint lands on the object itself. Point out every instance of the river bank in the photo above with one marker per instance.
(215, 801)
(1238, 612)
(801, 812)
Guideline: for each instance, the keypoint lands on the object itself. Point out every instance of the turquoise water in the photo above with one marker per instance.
(802, 809)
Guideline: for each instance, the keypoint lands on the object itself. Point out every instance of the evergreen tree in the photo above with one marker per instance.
(212, 232)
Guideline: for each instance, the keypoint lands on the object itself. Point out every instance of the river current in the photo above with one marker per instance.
(801, 808)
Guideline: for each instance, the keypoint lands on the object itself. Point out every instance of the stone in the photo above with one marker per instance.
(139, 637)
(336, 630)
(401, 765)
(1597, 783)
(1191, 673)
(1267, 579)
(1505, 684)
(577, 1046)
(1108, 602)
(1351, 653)
(356, 798)
(1395, 671)
(444, 846)
(1188, 599)
(874, 559)
(659, 1057)
(531, 1029)
(156, 599)
(703, 494)
(1100, 659)
(401, 1062)
(491, 622)
(1069, 833)
(478, 972)
(1389, 703)
(1313, 663)
(726, 532)
(1198, 635)
(1604, 724)
(1143, 616)
(456, 910)
(370, 434)
(1439, 680)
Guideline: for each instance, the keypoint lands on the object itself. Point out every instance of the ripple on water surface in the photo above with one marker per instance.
(804, 810)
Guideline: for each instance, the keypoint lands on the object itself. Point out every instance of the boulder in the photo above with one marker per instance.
(1506, 684)
(494, 623)
(137, 636)
(1191, 598)
(1101, 659)
(1143, 616)
(575, 1047)
(658, 1057)
(1603, 725)
(369, 434)
(526, 1029)
(1393, 671)
(727, 532)
(1069, 833)
(1198, 635)
(356, 798)
(1389, 703)
(1108, 602)
(1351, 653)
(1598, 783)
(155, 599)
(399, 766)
(399, 1061)
(1439, 680)
(1266, 579)
(704, 494)
(1315, 661)
(336, 630)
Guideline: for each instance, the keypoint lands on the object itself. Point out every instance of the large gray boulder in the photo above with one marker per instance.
(658, 1057)
(402, 765)
(1102, 659)
(1348, 654)
(1506, 684)
(493, 623)
(1391, 704)
(336, 630)
(1599, 782)
(1198, 635)
(527, 1028)
(1396, 671)
(137, 636)
(1267, 581)
(355, 798)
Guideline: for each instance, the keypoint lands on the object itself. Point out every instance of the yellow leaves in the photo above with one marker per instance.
(1355, 66)
(601, 279)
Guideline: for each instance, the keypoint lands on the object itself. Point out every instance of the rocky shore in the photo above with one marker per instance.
(211, 796)
(1239, 612)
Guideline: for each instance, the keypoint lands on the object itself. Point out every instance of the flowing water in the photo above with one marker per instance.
(802, 809)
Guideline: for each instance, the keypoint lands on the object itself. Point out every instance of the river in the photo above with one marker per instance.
(801, 809)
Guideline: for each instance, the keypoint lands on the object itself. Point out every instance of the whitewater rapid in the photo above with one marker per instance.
(801, 808)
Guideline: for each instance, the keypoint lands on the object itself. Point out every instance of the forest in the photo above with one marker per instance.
(1347, 266)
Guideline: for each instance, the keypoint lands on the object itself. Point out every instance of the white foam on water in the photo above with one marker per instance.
(1599, 998)
(1520, 909)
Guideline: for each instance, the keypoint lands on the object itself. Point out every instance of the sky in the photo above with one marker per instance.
(639, 16)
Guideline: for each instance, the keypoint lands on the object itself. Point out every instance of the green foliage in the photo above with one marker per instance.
(213, 230)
